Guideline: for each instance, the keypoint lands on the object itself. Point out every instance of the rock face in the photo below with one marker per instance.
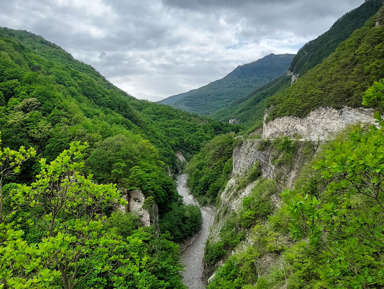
(135, 204)
(319, 124)
(247, 154)
(294, 77)
(136, 201)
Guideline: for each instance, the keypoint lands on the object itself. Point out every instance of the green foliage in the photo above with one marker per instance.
(78, 246)
(334, 217)
(345, 221)
(123, 224)
(181, 221)
(231, 233)
(287, 149)
(252, 175)
(249, 110)
(133, 163)
(374, 96)
(257, 206)
(209, 170)
(315, 51)
(214, 252)
(238, 271)
(48, 99)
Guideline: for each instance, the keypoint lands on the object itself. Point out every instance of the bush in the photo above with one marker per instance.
(231, 233)
(258, 204)
(214, 252)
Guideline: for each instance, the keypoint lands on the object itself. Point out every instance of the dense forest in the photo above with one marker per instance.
(67, 136)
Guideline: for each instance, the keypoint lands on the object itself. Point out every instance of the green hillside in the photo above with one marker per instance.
(250, 109)
(70, 94)
(69, 139)
(341, 79)
(316, 50)
(236, 85)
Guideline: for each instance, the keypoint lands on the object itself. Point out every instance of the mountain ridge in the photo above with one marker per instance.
(238, 83)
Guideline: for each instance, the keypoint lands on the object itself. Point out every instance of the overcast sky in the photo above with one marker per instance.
(153, 49)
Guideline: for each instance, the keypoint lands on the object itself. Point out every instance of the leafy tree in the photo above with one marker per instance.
(374, 96)
(182, 221)
(10, 164)
(76, 247)
(346, 220)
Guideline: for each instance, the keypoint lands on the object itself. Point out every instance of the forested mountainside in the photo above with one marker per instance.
(299, 213)
(340, 80)
(249, 110)
(73, 146)
(239, 83)
(315, 51)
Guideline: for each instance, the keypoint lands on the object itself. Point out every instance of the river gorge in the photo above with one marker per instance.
(192, 256)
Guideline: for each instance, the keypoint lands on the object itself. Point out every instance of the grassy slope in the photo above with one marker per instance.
(249, 111)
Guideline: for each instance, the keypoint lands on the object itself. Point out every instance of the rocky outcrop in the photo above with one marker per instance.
(319, 124)
(135, 204)
(294, 76)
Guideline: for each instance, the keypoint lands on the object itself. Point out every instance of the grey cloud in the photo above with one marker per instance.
(156, 48)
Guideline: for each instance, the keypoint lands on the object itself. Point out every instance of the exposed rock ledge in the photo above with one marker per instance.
(319, 124)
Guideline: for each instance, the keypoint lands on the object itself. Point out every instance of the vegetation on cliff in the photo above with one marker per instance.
(316, 50)
(209, 170)
(328, 230)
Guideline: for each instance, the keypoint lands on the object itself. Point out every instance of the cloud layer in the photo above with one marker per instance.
(156, 48)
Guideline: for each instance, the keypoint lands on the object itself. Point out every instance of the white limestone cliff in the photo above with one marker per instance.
(319, 124)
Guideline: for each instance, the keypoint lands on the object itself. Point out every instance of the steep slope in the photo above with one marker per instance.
(250, 109)
(47, 101)
(237, 84)
(98, 139)
(341, 79)
(315, 51)
(305, 210)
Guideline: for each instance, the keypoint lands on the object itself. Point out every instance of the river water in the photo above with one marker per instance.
(192, 257)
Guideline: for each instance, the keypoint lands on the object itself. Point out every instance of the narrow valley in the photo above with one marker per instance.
(192, 257)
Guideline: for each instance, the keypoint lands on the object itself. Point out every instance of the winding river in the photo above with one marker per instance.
(192, 257)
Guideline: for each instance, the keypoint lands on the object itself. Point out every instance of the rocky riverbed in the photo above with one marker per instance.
(192, 257)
